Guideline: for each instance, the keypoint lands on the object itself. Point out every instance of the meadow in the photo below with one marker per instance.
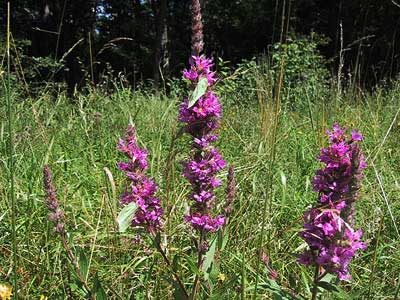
(273, 144)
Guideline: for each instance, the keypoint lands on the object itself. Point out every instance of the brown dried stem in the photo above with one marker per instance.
(197, 29)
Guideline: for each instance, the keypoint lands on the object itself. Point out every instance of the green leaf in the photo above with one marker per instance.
(341, 294)
(209, 259)
(141, 261)
(83, 263)
(178, 293)
(214, 272)
(199, 91)
(125, 216)
(327, 286)
(175, 262)
(98, 289)
(277, 291)
(222, 239)
(192, 266)
(157, 238)
(74, 287)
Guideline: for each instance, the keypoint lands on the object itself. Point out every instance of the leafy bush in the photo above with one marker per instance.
(238, 85)
(302, 60)
(305, 72)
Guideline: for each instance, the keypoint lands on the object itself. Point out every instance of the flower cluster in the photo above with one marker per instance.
(140, 189)
(200, 67)
(328, 226)
(201, 120)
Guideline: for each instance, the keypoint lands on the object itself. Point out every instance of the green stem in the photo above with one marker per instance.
(75, 264)
(169, 264)
(243, 277)
(11, 161)
(371, 279)
(396, 295)
(199, 264)
(315, 287)
(317, 278)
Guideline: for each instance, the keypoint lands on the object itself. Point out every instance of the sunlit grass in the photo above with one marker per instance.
(77, 138)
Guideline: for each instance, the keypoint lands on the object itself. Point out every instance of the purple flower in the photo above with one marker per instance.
(204, 141)
(328, 228)
(200, 67)
(140, 189)
(200, 120)
(337, 134)
(204, 222)
(356, 136)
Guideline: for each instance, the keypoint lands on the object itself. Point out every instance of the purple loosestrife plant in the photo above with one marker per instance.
(57, 216)
(328, 228)
(140, 189)
(201, 113)
(201, 120)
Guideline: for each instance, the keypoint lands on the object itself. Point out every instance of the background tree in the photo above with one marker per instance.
(140, 38)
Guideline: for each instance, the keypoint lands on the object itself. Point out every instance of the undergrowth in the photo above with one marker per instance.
(77, 137)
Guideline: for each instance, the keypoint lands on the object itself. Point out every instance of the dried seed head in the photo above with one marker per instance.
(197, 29)
(56, 214)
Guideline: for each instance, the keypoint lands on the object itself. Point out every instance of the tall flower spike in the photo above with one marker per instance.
(56, 215)
(197, 29)
(328, 226)
(200, 120)
(140, 189)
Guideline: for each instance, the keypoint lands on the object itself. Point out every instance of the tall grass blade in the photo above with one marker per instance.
(378, 177)
(11, 162)
(267, 205)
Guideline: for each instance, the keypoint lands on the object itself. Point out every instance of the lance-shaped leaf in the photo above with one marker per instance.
(209, 260)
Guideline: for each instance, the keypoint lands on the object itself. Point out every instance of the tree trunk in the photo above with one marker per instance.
(164, 38)
(78, 21)
(161, 60)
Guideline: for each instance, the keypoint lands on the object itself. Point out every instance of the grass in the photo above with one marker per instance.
(11, 158)
(77, 138)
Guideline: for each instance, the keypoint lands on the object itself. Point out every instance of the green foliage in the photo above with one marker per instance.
(304, 70)
(78, 136)
(125, 34)
(305, 75)
(32, 74)
(237, 85)
(301, 61)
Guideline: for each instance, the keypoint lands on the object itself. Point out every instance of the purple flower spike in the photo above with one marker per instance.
(140, 189)
(56, 215)
(328, 228)
(200, 120)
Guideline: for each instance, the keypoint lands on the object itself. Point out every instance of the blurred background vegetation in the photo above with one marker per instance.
(148, 41)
